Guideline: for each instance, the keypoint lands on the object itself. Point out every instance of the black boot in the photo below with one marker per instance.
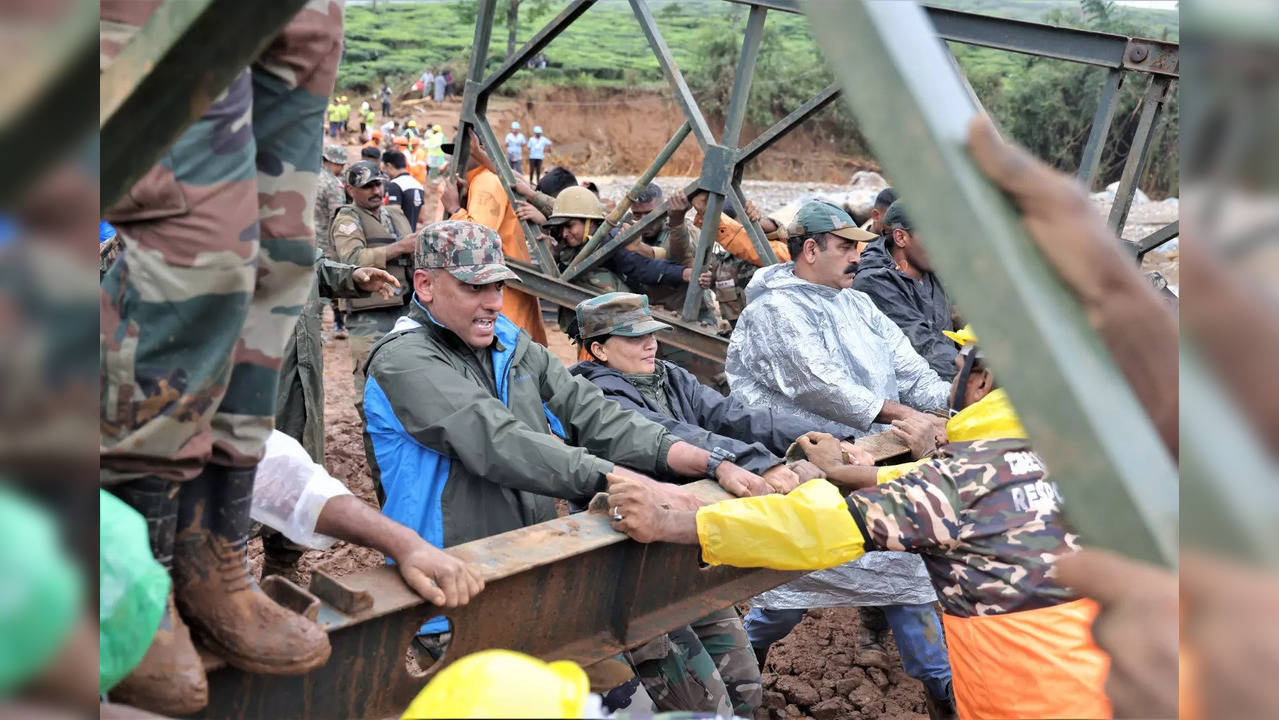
(761, 656)
(941, 708)
(170, 677)
(216, 592)
(871, 649)
(280, 556)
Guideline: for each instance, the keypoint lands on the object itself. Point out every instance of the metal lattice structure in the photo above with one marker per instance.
(726, 156)
(572, 588)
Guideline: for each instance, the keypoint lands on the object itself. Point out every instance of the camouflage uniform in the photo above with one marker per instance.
(984, 517)
(706, 666)
(601, 279)
(351, 232)
(329, 196)
(300, 401)
(216, 261)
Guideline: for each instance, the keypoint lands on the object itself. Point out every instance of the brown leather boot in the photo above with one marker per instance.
(215, 591)
(170, 678)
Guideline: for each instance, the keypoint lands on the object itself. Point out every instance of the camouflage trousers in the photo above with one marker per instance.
(216, 263)
(364, 328)
(706, 666)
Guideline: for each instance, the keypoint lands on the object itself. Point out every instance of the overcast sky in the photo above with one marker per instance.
(1155, 4)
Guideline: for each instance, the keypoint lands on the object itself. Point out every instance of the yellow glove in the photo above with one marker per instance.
(889, 473)
(808, 529)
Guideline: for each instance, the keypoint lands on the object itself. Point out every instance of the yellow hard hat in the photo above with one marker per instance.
(576, 202)
(965, 336)
(437, 128)
(505, 684)
(343, 98)
(411, 123)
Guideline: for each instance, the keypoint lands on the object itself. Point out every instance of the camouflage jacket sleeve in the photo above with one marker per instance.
(337, 280)
(348, 241)
(918, 512)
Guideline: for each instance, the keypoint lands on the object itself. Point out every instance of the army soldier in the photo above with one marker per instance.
(329, 195)
(369, 234)
(984, 515)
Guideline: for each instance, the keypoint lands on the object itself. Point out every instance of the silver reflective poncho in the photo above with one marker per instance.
(831, 355)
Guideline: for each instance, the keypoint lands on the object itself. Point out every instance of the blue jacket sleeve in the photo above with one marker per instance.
(634, 267)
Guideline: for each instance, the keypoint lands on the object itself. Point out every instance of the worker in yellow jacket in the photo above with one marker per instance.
(984, 514)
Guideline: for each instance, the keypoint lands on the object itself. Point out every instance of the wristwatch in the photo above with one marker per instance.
(718, 455)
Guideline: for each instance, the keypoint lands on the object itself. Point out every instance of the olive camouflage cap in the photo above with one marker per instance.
(362, 173)
(334, 154)
(820, 217)
(470, 252)
(618, 313)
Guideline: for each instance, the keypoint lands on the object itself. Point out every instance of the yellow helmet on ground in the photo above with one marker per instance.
(576, 202)
(505, 684)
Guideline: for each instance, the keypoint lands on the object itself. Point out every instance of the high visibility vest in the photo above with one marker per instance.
(335, 113)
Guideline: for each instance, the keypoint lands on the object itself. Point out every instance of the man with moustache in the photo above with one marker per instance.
(809, 345)
(367, 233)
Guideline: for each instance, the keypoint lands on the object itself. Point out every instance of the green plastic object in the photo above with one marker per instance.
(133, 591)
(40, 595)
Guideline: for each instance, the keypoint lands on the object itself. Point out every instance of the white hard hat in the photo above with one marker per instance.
(537, 129)
(515, 125)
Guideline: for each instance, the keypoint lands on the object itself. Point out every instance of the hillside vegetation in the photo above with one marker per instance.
(1045, 104)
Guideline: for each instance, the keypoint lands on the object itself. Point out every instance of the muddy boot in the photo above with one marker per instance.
(216, 592)
(941, 708)
(761, 656)
(280, 556)
(871, 650)
(170, 677)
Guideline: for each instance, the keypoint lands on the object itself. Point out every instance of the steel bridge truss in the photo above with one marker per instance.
(572, 588)
(726, 155)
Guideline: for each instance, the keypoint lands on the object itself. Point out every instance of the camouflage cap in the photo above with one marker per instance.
(470, 252)
(334, 154)
(819, 217)
(624, 314)
(363, 173)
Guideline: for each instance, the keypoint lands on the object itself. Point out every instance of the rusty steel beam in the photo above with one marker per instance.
(567, 589)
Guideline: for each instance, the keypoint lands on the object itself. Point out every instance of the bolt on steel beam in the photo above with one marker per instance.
(1121, 488)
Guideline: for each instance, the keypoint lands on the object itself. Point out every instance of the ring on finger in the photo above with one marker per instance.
(617, 514)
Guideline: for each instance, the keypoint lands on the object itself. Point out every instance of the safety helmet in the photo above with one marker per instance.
(376, 135)
(411, 123)
(575, 202)
(343, 98)
(515, 125)
(537, 129)
(506, 684)
(403, 141)
(437, 128)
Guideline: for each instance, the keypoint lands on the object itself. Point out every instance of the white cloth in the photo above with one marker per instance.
(537, 147)
(290, 490)
(824, 353)
(515, 145)
(388, 127)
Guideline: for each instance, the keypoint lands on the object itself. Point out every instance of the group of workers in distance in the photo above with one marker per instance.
(473, 428)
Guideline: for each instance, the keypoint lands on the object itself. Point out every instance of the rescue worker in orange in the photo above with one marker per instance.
(487, 204)
(982, 511)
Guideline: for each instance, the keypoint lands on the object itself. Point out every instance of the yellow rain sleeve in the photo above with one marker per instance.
(808, 529)
(888, 473)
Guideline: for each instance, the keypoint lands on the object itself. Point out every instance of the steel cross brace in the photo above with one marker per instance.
(1156, 238)
(1120, 488)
